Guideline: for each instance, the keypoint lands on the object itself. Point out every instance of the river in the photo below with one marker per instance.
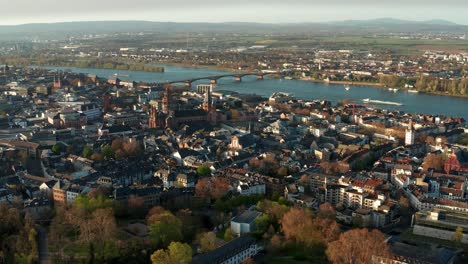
(412, 102)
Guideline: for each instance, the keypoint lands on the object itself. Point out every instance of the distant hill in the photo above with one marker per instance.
(377, 25)
(389, 22)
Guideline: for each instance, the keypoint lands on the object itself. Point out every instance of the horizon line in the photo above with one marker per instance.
(227, 22)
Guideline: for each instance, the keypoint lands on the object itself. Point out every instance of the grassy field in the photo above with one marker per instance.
(395, 44)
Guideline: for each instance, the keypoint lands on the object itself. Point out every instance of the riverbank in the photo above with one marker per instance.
(376, 85)
(202, 67)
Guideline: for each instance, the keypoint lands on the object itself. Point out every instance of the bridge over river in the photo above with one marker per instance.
(214, 79)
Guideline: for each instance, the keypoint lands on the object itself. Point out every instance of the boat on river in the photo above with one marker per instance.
(370, 101)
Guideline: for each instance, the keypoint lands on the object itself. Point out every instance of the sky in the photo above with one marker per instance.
(267, 11)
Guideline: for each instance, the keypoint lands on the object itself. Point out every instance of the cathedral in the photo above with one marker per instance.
(168, 117)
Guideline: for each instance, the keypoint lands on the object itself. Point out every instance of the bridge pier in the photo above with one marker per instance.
(260, 77)
(238, 78)
(214, 81)
(188, 84)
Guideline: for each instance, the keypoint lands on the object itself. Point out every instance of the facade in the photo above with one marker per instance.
(203, 88)
(234, 252)
(68, 119)
(66, 193)
(186, 181)
(129, 119)
(409, 134)
(59, 194)
(92, 111)
(441, 224)
(251, 188)
(244, 223)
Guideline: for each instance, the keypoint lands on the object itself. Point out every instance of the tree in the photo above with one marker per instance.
(177, 253)
(117, 144)
(162, 233)
(164, 216)
(228, 234)
(263, 223)
(119, 154)
(58, 148)
(275, 242)
(97, 156)
(458, 235)
(131, 148)
(212, 188)
(331, 167)
(274, 210)
(434, 161)
(208, 241)
(155, 211)
(32, 238)
(203, 170)
(327, 211)
(297, 226)
(160, 256)
(180, 252)
(87, 152)
(328, 228)
(101, 226)
(358, 246)
(107, 152)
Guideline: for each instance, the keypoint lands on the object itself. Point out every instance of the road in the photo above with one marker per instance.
(42, 245)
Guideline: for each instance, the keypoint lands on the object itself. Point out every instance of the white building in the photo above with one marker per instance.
(245, 188)
(92, 111)
(409, 135)
(244, 223)
(234, 252)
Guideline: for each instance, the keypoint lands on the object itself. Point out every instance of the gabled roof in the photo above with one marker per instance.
(225, 252)
(248, 217)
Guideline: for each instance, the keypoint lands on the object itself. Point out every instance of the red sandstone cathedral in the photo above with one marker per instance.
(172, 118)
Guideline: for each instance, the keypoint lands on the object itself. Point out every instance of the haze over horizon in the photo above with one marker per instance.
(261, 11)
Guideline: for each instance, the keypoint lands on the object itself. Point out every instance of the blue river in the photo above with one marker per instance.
(411, 102)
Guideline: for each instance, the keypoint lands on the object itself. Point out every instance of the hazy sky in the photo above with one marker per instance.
(28, 11)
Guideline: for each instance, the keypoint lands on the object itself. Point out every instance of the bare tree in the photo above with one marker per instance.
(357, 246)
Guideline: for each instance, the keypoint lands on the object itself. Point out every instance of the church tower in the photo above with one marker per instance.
(153, 112)
(107, 102)
(57, 83)
(208, 100)
(409, 134)
(166, 100)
